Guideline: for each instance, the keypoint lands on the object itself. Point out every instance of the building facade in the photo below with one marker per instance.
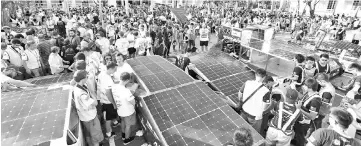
(329, 7)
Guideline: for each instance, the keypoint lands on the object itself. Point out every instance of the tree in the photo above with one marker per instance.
(312, 5)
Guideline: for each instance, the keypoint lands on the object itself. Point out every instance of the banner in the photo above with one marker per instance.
(236, 33)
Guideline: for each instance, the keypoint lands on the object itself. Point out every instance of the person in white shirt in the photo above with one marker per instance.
(252, 93)
(148, 43)
(139, 44)
(122, 66)
(131, 48)
(125, 102)
(86, 107)
(122, 44)
(103, 43)
(105, 82)
(356, 37)
(32, 60)
(81, 30)
(56, 62)
(204, 37)
(90, 31)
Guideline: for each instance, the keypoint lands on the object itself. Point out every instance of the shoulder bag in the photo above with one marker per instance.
(239, 109)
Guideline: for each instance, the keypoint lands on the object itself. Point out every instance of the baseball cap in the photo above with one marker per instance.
(80, 75)
(292, 94)
(80, 65)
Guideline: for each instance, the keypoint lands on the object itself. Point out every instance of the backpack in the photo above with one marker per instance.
(69, 54)
(183, 62)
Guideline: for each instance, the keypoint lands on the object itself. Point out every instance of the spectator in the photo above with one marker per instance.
(322, 65)
(309, 107)
(32, 61)
(86, 107)
(13, 55)
(339, 120)
(56, 62)
(298, 73)
(281, 133)
(123, 66)
(242, 137)
(327, 91)
(356, 37)
(309, 68)
(44, 48)
(125, 102)
(102, 43)
(204, 37)
(105, 83)
(122, 44)
(253, 92)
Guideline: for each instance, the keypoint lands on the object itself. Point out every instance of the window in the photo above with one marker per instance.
(355, 4)
(331, 4)
(73, 131)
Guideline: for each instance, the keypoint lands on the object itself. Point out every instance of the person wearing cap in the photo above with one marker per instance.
(336, 134)
(86, 108)
(32, 59)
(280, 131)
(56, 62)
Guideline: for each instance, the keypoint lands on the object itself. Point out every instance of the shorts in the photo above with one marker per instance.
(132, 50)
(110, 112)
(92, 131)
(275, 135)
(203, 43)
(130, 120)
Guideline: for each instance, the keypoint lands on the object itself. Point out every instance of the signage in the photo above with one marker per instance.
(232, 33)
(227, 31)
(236, 33)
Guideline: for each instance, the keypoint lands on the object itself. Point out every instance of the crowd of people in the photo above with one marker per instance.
(95, 44)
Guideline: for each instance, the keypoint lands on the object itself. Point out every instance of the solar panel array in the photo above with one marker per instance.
(194, 115)
(225, 73)
(158, 74)
(34, 116)
(187, 112)
(345, 45)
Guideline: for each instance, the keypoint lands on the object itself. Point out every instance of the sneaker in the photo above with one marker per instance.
(139, 133)
(111, 135)
(116, 125)
(129, 140)
(123, 136)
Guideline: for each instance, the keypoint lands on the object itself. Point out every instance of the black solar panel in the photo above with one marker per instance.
(218, 67)
(52, 79)
(33, 117)
(158, 73)
(194, 115)
(230, 86)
